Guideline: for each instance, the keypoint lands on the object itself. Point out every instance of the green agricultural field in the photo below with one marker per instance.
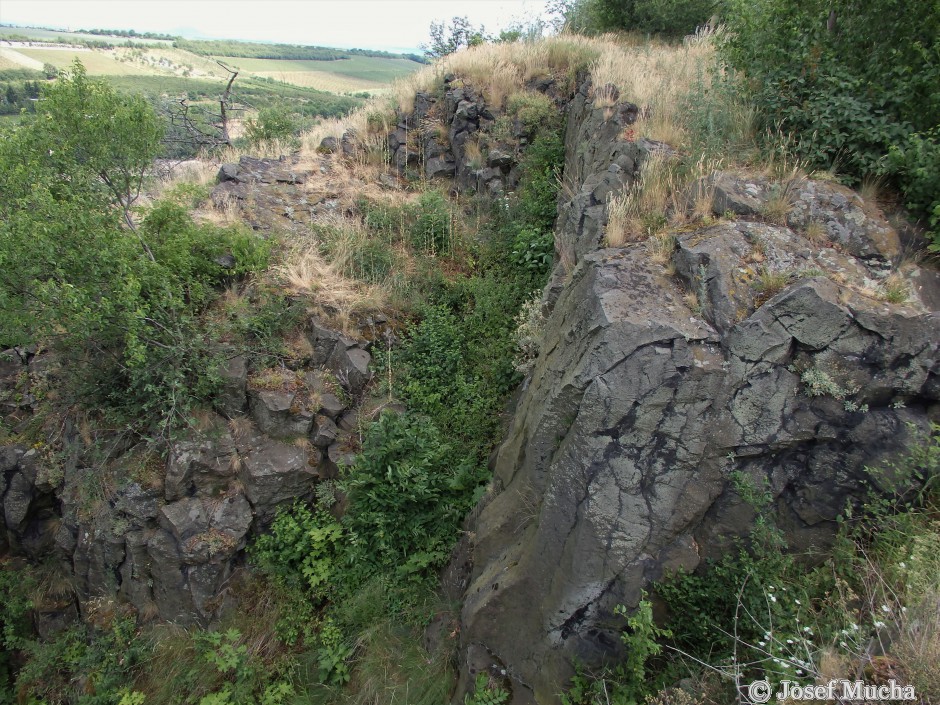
(7, 63)
(97, 63)
(357, 73)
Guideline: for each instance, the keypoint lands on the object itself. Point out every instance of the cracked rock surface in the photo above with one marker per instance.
(615, 470)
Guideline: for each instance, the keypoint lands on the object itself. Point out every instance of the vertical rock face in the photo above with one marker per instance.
(601, 158)
(644, 399)
(168, 536)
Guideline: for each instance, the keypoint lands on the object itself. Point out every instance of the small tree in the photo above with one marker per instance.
(77, 273)
(95, 135)
(446, 40)
(271, 124)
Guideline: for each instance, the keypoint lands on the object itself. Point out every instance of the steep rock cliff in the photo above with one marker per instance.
(652, 387)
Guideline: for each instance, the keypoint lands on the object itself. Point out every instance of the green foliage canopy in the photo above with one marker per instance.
(854, 85)
(78, 273)
(671, 18)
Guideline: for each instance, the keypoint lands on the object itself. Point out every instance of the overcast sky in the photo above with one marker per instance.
(369, 24)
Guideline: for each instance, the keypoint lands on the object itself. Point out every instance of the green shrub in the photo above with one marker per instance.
(538, 189)
(300, 550)
(122, 300)
(245, 682)
(408, 492)
(456, 364)
(271, 124)
(534, 251)
(383, 218)
(486, 693)
(431, 229)
(373, 261)
(627, 683)
(846, 84)
(82, 665)
(15, 624)
(672, 18)
(534, 110)
(916, 161)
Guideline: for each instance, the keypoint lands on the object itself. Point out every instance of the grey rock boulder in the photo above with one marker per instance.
(615, 469)
(232, 397)
(440, 167)
(275, 472)
(280, 414)
(324, 431)
(199, 465)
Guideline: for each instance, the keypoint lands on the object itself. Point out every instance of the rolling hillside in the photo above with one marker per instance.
(344, 72)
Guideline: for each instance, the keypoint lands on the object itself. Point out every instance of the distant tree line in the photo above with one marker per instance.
(129, 33)
(295, 52)
(71, 41)
(461, 33)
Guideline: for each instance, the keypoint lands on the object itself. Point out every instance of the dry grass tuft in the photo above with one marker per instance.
(661, 247)
(770, 283)
(643, 210)
(203, 420)
(894, 289)
(306, 273)
(222, 211)
(777, 207)
(872, 189)
(657, 77)
(816, 233)
(474, 155)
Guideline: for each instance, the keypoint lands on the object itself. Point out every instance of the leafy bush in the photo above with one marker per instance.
(244, 681)
(408, 492)
(456, 364)
(119, 298)
(431, 228)
(673, 18)
(83, 665)
(271, 124)
(849, 82)
(534, 251)
(486, 693)
(300, 550)
(916, 161)
(538, 189)
(15, 624)
(533, 110)
(627, 682)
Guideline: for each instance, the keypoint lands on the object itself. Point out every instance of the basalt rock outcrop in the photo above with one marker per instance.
(166, 534)
(766, 345)
(656, 382)
(434, 138)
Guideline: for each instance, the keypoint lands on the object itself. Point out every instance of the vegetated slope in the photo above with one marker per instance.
(348, 74)
(96, 62)
(37, 34)
(374, 257)
(344, 72)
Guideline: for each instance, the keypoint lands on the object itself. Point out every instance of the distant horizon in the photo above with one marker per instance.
(197, 35)
(314, 22)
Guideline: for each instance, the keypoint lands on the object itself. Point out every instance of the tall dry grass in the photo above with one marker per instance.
(660, 199)
(305, 272)
(659, 79)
